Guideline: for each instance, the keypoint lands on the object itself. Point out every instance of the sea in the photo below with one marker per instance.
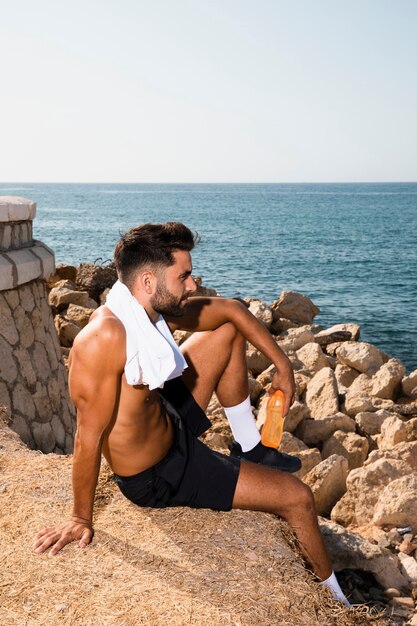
(352, 248)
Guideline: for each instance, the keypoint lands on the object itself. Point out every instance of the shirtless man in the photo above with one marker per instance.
(149, 437)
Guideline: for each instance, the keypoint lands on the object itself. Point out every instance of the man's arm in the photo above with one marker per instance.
(210, 313)
(95, 371)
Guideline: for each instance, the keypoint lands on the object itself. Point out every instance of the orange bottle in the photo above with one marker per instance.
(274, 422)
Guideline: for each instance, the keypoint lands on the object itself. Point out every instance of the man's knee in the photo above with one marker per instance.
(302, 500)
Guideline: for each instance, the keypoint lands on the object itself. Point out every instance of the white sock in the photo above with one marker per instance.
(334, 587)
(243, 424)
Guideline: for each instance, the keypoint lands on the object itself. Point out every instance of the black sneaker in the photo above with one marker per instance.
(266, 456)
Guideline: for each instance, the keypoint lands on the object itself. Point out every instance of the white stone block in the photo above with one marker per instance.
(48, 258)
(28, 265)
(16, 209)
(6, 274)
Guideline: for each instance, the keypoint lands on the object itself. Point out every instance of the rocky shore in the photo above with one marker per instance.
(353, 425)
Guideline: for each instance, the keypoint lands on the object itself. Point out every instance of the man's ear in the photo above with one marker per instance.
(147, 281)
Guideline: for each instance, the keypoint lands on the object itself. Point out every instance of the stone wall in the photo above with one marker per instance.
(33, 379)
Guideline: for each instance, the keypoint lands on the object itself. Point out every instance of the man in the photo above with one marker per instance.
(137, 408)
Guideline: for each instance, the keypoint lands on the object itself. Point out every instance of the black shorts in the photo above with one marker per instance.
(190, 475)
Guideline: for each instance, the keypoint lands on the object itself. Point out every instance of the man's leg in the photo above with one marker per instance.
(217, 362)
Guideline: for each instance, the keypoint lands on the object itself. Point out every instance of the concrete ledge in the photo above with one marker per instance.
(16, 209)
(18, 267)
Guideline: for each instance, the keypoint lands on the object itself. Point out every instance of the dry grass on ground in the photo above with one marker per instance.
(154, 567)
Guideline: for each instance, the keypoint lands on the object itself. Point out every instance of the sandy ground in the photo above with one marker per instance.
(154, 567)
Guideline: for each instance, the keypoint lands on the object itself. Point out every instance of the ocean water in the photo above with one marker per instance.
(352, 248)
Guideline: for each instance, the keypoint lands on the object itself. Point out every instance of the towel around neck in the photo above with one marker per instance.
(152, 356)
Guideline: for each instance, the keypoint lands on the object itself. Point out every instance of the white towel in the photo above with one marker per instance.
(152, 356)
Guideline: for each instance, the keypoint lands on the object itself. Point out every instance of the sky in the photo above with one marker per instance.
(218, 91)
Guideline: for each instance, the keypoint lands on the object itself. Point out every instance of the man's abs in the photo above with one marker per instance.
(141, 433)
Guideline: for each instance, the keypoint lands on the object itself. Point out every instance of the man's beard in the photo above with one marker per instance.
(165, 303)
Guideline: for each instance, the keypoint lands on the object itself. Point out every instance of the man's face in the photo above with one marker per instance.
(174, 285)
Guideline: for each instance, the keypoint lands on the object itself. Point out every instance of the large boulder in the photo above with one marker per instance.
(370, 422)
(312, 357)
(395, 430)
(78, 315)
(362, 356)
(362, 385)
(96, 278)
(405, 452)
(296, 307)
(349, 445)
(345, 376)
(328, 482)
(409, 385)
(310, 457)
(294, 338)
(397, 503)
(261, 311)
(67, 331)
(63, 294)
(357, 403)
(322, 395)
(364, 487)
(386, 381)
(338, 332)
(348, 550)
(313, 432)
(255, 360)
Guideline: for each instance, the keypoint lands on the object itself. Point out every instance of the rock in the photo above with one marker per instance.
(386, 381)
(370, 423)
(409, 385)
(395, 431)
(345, 376)
(405, 452)
(78, 315)
(291, 444)
(280, 324)
(349, 445)
(312, 357)
(266, 376)
(321, 395)
(309, 458)
(338, 332)
(362, 385)
(181, 335)
(96, 278)
(364, 487)
(407, 547)
(255, 360)
(63, 272)
(301, 382)
(61, 296)
(382, 404)
(357, 403)
(67, 331)
(397, 504)
(408, 567)
(295, 307)
(294, 338)
(202, 290)
(262, 312)
(255, 389)
(297, 413)
(362, 356)
(313, 432)
(348, 550)
(328, 482)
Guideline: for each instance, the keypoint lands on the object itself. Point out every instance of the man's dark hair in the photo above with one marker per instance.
(151, 244)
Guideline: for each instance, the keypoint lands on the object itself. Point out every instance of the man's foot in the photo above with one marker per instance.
(266, 456)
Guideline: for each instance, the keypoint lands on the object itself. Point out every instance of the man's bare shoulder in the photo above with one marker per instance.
(103, 337)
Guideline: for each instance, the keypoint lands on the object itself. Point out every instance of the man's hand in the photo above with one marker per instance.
(62, 534)
(284, 380)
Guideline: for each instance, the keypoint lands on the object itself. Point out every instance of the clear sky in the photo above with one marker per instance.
(208, 90)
